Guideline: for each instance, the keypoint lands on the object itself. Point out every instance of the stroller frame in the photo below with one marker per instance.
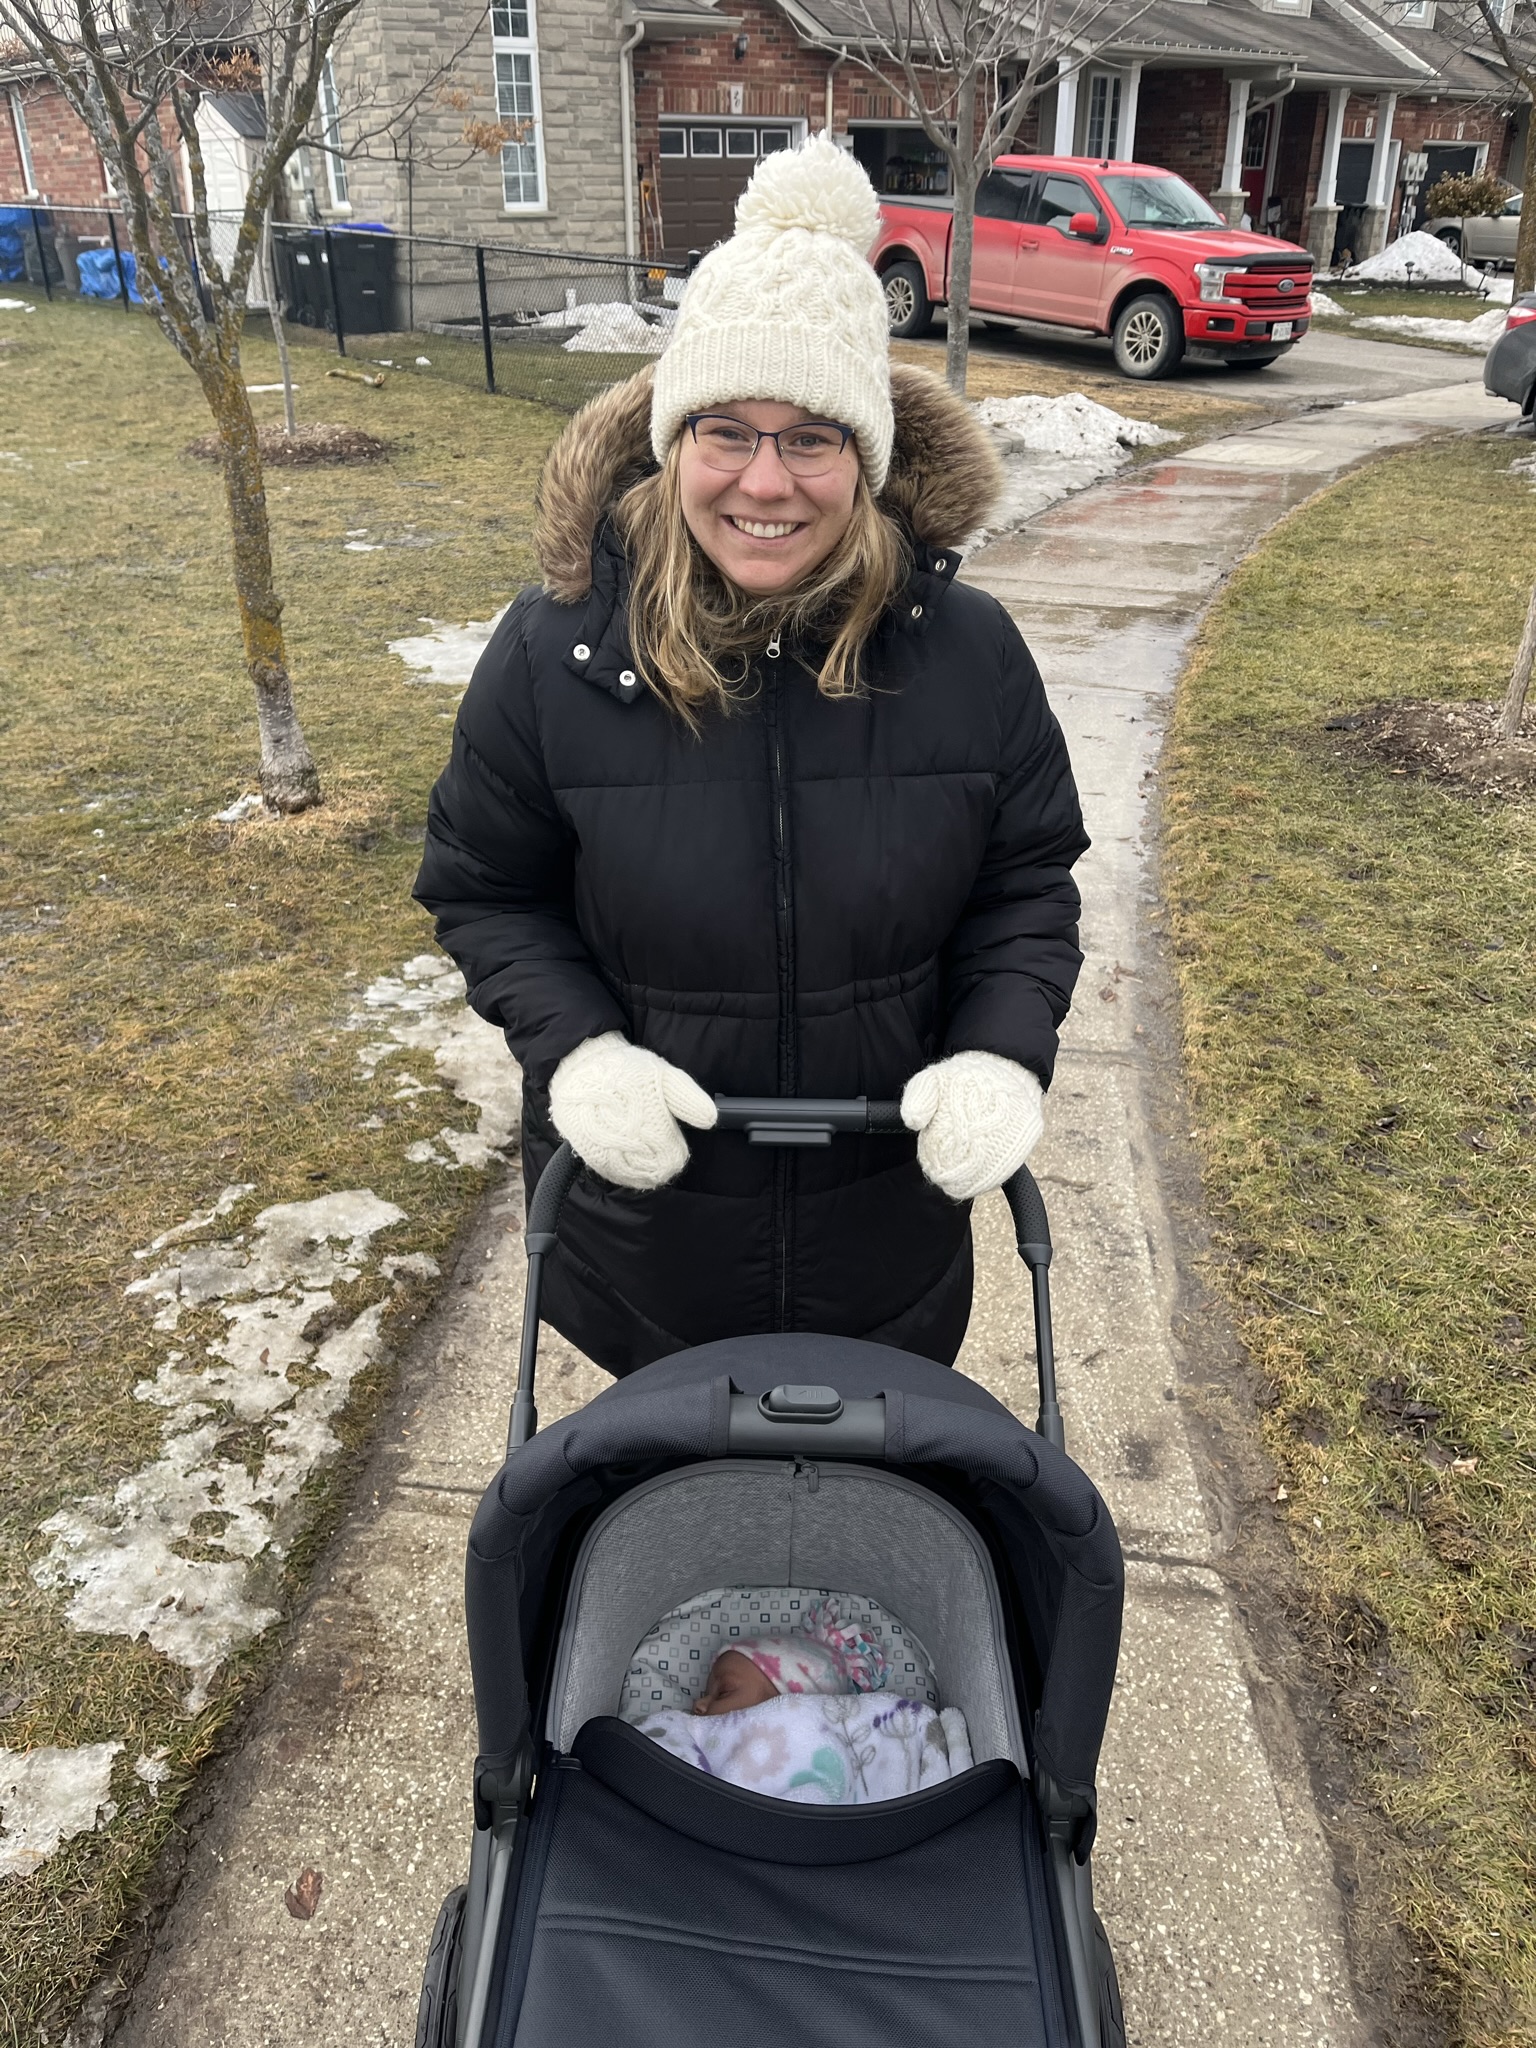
(787, 1421)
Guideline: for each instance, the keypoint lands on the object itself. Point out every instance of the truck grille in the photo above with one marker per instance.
(1259, 287)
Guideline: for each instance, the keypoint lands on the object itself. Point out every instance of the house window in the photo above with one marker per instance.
(705, 141)
(1414, 11)
(330, 132)
(1103, 139)
(741, 142)
(674, 142)
(774, 139)
(23, 143)
(515, 49)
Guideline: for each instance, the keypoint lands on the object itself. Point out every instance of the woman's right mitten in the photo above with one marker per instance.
(618, 1107)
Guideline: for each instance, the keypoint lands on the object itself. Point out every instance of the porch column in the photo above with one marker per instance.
(1132, 92)
(1373, 228)
(1066, 108)
(1229, 197)
(1323, 219)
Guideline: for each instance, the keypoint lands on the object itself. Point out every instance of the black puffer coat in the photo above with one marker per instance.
(815, 897)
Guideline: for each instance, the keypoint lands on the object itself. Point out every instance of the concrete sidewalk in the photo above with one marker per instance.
(1214, 1878)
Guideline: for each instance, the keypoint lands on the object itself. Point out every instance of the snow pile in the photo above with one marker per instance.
(1478, 334)
(1052, 447)
(243, 807)
(1411, 259)
(613, 327)
(187, 1551)
(423, 1010)
(49, 1795)
(1324, 308)
(17, 306)
(447, 654)
(1071, 425)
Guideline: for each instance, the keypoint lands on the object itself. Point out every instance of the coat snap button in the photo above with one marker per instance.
(629, 682)
(917, 611)
(941, 565)
(581, 651)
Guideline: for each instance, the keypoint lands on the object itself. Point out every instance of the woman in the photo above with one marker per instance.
(752, 798)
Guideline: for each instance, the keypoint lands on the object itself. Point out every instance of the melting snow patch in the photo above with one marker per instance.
(153, 1770)
(17, 306)
(49, 1795)
(448, 653)
(613, 328)
(1416, 259)
(124, 1554)
(1325, 308)
(1478, 334)
(1054, 446)
(422, 1009)
(243, 807)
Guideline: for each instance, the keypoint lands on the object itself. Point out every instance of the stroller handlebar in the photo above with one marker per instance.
(791, 1121)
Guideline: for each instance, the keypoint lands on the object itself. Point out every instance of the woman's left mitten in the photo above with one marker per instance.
(977, 1118)
(619, 1108)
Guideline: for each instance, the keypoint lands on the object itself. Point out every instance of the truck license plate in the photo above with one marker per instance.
(1281, 331)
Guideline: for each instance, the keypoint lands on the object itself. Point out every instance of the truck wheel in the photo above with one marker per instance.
(1251, 362)
(1111, 2013)
(1149, 337)
(908, 308)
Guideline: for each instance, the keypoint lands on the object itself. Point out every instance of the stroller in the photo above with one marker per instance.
(616, 1893)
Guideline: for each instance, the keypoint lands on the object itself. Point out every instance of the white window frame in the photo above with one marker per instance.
(521, 46)
(330, 132)
(1113, 85)
(23, 144)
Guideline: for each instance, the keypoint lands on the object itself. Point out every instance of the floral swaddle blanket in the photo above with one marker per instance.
(840, 1750)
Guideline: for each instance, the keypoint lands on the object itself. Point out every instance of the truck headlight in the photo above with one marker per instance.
(1213, 279)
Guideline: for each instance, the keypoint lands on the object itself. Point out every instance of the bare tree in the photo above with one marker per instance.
(136, 73)
(969, 71)
(1512, 712)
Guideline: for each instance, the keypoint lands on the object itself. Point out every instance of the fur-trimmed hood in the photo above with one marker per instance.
(943, 481)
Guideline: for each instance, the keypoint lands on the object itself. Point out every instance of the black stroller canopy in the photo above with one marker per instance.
(1053, 1545)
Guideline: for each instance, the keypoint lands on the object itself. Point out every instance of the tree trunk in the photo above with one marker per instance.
(289, 778)
(279, 332)
(963, 239)
(1520, 680)
(1525, 241)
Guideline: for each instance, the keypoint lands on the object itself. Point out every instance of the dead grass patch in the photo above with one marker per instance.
(1357, 957)
(173, 992)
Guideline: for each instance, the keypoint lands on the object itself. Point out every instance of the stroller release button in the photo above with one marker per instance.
(803, 1404)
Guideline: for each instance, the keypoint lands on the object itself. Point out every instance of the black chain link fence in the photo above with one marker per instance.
(552, 327)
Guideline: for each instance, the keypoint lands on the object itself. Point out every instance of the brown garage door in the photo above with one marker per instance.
(704, 167)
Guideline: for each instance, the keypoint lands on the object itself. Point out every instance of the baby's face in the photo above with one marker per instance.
(734, 1682)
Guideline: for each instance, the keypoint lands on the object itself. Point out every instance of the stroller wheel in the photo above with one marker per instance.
(1111, 2013)
(437, 2016)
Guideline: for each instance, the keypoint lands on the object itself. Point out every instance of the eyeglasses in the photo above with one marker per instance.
(808, 449)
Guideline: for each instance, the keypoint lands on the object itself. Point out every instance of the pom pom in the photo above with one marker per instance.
(818, 187)
(862, 1661)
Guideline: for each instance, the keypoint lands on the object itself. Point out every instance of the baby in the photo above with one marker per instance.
(803, 1717)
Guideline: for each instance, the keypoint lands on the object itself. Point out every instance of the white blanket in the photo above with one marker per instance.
(820, 1750)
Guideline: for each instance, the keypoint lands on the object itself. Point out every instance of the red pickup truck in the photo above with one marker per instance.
(1120, 249)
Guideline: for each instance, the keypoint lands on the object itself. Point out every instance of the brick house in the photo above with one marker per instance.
(636, 126)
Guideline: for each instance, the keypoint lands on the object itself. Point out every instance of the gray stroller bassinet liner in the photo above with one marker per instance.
(843, 1527)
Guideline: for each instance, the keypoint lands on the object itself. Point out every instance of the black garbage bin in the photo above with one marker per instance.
(365, 279)
(303, 284)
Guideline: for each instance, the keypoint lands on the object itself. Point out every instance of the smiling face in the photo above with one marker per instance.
(765, 530)
(734, 1682)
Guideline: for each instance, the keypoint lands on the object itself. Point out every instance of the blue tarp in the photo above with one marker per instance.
(15, 226)
(98, 274)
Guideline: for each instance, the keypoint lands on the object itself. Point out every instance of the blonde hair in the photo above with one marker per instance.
(693, 633)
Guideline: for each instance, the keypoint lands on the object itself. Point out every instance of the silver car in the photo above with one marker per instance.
(1482, 238)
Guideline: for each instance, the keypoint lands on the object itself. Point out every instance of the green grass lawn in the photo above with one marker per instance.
(1357, 953)
(1377, 301)
(173, 992)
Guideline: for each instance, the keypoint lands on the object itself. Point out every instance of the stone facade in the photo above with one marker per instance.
(427, 180)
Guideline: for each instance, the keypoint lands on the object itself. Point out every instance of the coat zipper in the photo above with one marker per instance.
(783, 910)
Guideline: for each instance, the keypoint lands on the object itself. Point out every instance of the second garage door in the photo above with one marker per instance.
(705, 166)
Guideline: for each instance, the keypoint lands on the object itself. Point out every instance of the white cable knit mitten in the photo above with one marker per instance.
(618, 1106)
(977, 1117)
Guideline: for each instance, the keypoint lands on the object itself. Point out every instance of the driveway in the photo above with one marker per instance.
(1323, 368)
(1214, 1875)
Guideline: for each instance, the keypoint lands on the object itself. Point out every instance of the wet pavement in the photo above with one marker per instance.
(1213, 1874)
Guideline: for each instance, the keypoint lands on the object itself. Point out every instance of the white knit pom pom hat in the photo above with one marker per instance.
(789, 308)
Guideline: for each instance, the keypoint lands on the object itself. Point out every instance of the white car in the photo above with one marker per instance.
(1482, 238)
